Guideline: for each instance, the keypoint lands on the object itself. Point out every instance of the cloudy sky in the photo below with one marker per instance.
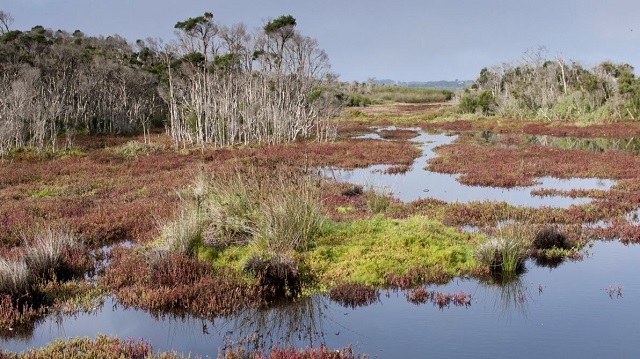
(404, 40)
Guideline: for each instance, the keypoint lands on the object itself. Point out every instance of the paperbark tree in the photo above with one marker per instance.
(5, 22)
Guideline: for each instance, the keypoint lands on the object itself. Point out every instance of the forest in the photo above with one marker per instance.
(213, 85)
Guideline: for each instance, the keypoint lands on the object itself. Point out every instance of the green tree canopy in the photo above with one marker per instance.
(283, 22)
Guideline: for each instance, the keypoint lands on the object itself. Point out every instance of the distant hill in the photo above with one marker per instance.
(445, 85)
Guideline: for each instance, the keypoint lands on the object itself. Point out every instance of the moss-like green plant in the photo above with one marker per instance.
(368, 251)
(49, 191)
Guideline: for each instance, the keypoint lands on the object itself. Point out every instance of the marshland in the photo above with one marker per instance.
(238, 200)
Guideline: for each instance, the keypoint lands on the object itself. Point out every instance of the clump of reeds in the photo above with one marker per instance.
(40, 259)
(44, 254)
(273, 212)
(278, 212)
(506, 252)
(230, 208)
(15, 278)
(47, 256)
(135, 149)
(290, 216)
(378, 199)
(182, 234)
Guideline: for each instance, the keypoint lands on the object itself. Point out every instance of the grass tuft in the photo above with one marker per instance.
(182, 234)
(41, 259)
(291, 217)
(134, 149)
(15, 278)
(44, 254)
(378, 199)
(507, 251)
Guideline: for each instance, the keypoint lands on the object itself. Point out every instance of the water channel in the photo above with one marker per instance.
(421, 183)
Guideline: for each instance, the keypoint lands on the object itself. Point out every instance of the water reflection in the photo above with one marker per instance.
(575, 301)
(631, 145)
(511, 294)
(420, 183)
(297, 324)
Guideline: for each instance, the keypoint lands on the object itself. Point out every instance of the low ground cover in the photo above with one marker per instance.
(216, 230)
(372, 250)
(511, 167)
(104, 347)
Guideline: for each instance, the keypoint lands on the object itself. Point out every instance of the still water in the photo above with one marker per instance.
(568, 311)
(421, 183)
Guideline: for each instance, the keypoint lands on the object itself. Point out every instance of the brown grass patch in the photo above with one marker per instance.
(510, 167)
(398, 134)
(166, 282)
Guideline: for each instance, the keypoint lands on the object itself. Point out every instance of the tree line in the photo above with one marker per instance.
(554, 89)
(214, 85)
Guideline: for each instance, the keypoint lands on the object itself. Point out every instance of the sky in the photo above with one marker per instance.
(402, 40)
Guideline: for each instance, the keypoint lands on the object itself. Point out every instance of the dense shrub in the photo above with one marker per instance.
(472, 102)
(550, 237)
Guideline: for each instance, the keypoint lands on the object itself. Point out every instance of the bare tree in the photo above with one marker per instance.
(5, 22)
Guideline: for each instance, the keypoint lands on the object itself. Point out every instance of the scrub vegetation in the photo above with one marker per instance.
(553, 89)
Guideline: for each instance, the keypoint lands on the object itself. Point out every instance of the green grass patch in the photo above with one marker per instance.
(366, 251)
(134, 149)
(50, 191)
(410, 94)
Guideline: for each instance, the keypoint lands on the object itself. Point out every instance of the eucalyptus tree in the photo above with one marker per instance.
(279, 31)
(246, 87)
(5, 22)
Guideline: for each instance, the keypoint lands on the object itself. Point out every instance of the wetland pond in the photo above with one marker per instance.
(586, 309)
